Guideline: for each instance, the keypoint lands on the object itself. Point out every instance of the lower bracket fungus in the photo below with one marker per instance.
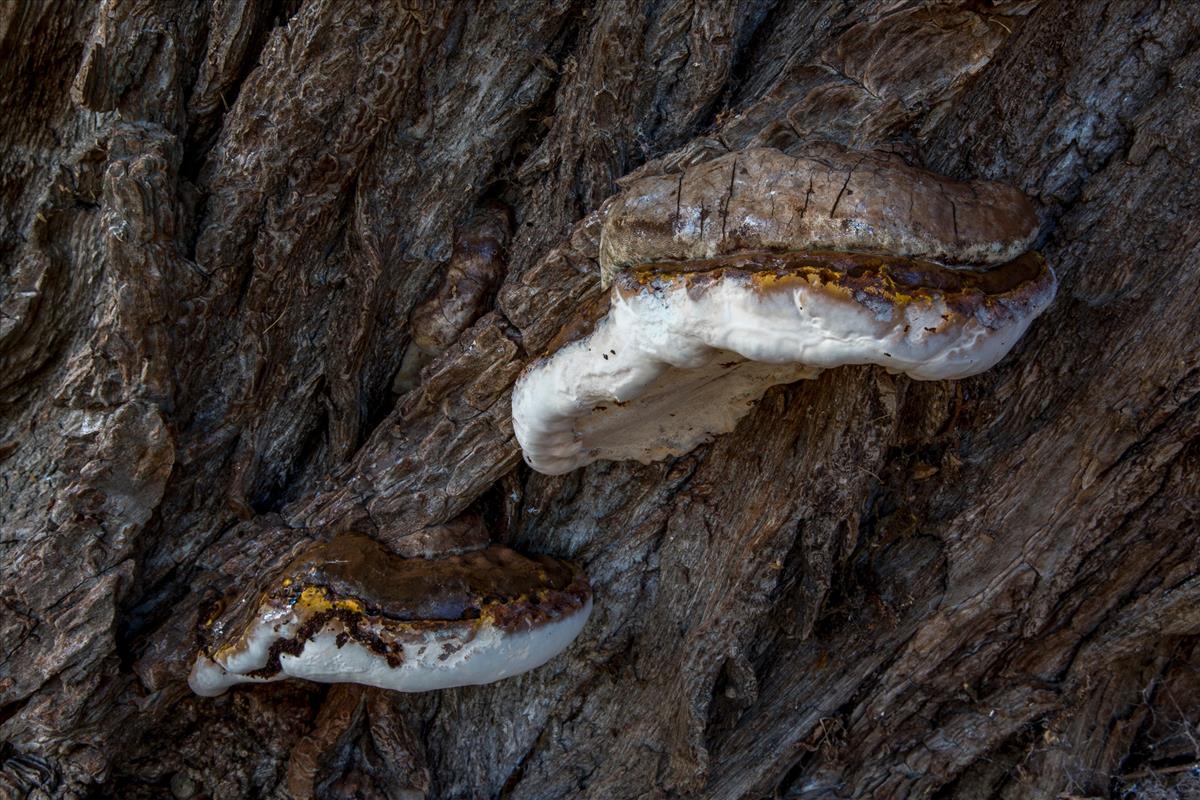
(699, 325)
(349, 611)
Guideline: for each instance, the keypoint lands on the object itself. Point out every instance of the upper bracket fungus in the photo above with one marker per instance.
(759, 268)
(349, 611)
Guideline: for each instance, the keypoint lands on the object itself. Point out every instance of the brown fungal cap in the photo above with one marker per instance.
(356, 567)
(829, 199)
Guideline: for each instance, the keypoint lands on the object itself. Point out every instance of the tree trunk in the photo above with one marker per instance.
(219, 216)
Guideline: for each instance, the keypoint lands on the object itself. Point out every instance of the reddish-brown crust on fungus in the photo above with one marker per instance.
(892, 280)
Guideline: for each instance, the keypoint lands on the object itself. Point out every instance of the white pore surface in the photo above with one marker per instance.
(443, 659)
(664, 371)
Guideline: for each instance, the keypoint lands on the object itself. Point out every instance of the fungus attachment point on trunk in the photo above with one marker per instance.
(349, 611)
(796, 265)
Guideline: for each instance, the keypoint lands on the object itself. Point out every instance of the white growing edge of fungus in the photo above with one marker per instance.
(457, 654)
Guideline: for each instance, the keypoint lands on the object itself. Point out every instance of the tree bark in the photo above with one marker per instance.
(217, 218)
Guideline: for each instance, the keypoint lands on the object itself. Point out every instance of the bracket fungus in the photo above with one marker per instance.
(759, 268)
(349, 611)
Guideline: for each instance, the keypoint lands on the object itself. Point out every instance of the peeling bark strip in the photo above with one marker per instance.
(217, 220)
(466, 292)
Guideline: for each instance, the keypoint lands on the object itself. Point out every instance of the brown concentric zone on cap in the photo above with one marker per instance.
(384, 601)
(896, 279)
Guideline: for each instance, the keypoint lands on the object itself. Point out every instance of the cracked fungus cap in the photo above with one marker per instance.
(687, 348)
(349, 611)
(827, 199)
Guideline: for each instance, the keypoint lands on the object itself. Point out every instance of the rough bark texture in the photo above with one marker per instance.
(216, 218)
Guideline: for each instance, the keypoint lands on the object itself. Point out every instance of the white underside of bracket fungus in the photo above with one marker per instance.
(456, 654)
(675, 363)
